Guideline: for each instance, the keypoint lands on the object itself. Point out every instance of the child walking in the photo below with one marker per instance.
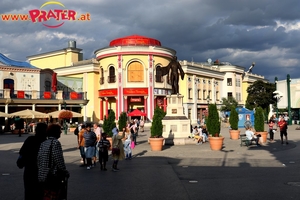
(103, 151)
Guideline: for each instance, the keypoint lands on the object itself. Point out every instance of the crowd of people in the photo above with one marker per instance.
(41, 155)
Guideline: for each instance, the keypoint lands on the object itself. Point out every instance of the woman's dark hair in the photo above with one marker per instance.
(54, 130)
(41, 129)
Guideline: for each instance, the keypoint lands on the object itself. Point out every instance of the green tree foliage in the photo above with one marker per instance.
(213, 120)
(157, 126)
(259, 123)
(109, 123)
(122, 120)
(228, 103)
(234, 118)
(260, 94)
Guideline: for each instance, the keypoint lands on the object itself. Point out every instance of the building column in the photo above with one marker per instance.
(145, 104)
(165, 104)
(33, 107)
(117, 110)
(101, 109)
(125, 104)
(106, 107)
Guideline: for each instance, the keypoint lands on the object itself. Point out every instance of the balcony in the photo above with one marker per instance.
(111, 79)
(42, 95)
(101, 80)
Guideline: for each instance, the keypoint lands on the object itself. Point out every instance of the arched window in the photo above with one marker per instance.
(158, 75)
(135, 72)
(112, 75)
(101, 76)
(9, 84)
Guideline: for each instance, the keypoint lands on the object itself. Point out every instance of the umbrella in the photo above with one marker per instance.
(2, 114)
(56, 113)
(136, 112)
(29, 114)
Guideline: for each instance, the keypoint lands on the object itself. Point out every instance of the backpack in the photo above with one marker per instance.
(76, 131)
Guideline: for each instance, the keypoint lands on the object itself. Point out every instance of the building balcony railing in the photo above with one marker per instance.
(101, 80)
(34, 94)
(111, 79)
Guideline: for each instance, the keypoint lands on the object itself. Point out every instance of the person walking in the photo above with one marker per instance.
(28, 159)
(89, 145)
(103, 145)
(127, 146)
(282, 124)
(81, 142)
(142, 124)
(97, 131)
(117, 148)
(51, 164)
(271, 129)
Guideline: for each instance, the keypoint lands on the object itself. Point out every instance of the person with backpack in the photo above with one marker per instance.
(89, 145)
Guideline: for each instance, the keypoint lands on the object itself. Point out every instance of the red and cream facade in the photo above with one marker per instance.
(128, 78)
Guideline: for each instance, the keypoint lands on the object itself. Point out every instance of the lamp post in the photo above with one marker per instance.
(65, 123)
(288, 81)
(276, 80)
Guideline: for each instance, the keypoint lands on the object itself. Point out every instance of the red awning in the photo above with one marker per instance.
(136, 113)
(54, 82)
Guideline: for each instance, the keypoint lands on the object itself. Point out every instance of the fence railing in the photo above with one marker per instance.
(34, 94)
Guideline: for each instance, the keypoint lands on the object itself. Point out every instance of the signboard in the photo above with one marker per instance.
(135, 91)
(133, 99)
(107, 92)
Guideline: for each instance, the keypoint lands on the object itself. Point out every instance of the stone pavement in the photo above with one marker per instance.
(178, 172)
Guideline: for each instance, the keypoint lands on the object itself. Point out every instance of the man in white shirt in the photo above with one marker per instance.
(251, 136)
(98, 132)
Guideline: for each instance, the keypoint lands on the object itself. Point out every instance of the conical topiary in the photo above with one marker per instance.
(122, 121)
(259, 123)
(157, 126)
(109, 123)
(213, 121)
(234, 119)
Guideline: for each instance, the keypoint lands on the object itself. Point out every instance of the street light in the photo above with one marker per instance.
(65, 123)
(276, 80)
(288, 81)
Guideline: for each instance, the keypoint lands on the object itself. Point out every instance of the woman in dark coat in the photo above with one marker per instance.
(28, 154)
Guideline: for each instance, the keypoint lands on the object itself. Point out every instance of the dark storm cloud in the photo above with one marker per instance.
(239, 32)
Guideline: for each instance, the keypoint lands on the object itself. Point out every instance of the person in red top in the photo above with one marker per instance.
(283, 127)
(271, 125)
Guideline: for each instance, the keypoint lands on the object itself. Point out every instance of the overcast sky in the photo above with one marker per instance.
(266, 32)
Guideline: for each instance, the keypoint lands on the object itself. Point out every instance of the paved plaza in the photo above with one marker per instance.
(184, 172)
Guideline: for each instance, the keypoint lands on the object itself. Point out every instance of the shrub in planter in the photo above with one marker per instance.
(109, 123)
(259, 123)
(157, 126)
(122, 121)
(213, 122)
(234, 119)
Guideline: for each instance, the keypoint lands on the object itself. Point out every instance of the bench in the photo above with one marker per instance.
(244, 140)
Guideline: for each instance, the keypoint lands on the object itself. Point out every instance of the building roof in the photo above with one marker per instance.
(9, 62)
(134, 40)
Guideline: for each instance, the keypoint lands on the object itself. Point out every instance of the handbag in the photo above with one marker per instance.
(115, 151)
(132, 145)
(57, 179)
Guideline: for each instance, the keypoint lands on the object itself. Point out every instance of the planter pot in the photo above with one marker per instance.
(156, 143)
(234, 134)
(216, 143)
(264, 135)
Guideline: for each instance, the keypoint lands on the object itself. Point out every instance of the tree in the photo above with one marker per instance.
(122, 121)
(213, 123)
(260, 94)
(109, 123)
(259, 120)
(228, 103)
(234, 118)
(157, 126)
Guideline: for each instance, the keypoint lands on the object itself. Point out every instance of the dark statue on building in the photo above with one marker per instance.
(172, 70)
